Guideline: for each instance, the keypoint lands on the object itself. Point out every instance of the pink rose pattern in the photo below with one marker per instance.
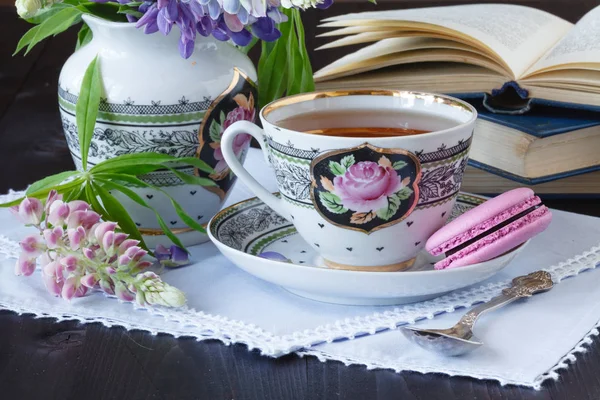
(244, 112)
(367, 192)
(366, 185)
(236, 103)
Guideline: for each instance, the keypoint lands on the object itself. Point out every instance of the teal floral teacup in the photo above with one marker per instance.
(365, 176)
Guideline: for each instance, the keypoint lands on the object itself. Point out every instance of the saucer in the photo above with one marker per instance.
(249, 228)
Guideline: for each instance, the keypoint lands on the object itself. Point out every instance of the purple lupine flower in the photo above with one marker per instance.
(231, 6)
(164, 25)
(235, 20)
(174, 256)
(241, 38)
(277, 16)
(264, 28)
(325, 4)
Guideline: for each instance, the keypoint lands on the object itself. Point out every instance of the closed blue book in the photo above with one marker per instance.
(546, 144)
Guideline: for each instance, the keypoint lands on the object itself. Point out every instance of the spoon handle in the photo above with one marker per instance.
(522, 286)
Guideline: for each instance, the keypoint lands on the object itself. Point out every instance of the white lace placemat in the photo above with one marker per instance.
(525, 343)
(226, 303)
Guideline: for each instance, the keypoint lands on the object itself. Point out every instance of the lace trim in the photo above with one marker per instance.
(564, 364)
(569, 268)
(189, 322)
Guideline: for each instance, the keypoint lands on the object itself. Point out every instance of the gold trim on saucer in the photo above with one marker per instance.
(401, 266)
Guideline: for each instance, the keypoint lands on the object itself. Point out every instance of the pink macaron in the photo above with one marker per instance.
(490, 229)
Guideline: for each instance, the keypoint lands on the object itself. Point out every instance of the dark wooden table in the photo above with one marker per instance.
(43, 359)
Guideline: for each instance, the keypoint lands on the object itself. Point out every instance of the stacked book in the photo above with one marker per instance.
(548, 68)
(552, 150)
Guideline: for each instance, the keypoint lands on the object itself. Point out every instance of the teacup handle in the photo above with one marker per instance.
(239, 128)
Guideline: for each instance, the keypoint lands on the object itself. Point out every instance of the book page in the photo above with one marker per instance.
(401, 51)
(519, 35)
(580, 45)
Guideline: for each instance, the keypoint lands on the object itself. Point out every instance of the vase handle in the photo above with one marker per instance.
(240, 128)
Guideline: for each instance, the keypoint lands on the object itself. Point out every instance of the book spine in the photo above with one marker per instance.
(531, 181)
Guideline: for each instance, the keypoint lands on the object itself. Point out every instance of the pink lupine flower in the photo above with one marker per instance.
(32, 246)
(87, 219)
(89, 280)
(69, 288)
(78, 205)
(30, 211)
(124, 260)
(120, 237)
(89, 253)
(107, 242)
(45, 259)
(107, 286)
(25, 265)
(76, 235)
(142, 265)
(122, 293)
(101, 229)
(52, 285)
(69, 262)
(53, 237)
(81, 291)
(77, 253)
(52, 197)
(126, 245)
(58, 213)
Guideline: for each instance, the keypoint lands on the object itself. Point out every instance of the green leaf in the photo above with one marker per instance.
(142, 163)
(128, 10)
(399, 164)
(373, 1)
(189, 221)
(305, 76)
(138, 199)
(332, 203)
(137, 182)
(404, 193)
(78, 193)
(46, 13)
(43, 193)
(49, 182)
(294, 59)
(92, 199)
(55, 24)
(87, 108)
(336, 168)
(108, 11)
(84, 36)
(133, 160)
(117, 213)
(196, 162)
(390, 210)
(192, 179)
(222, 116)
(347, 161)
(215, 131)
(26, 39)
(272, 71)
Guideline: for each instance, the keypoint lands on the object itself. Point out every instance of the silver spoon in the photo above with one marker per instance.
(460, 339)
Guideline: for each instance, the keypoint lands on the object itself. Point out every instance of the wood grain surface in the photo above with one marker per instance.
(43, 359)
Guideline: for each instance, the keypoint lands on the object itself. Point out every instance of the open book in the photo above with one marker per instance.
(469, 49)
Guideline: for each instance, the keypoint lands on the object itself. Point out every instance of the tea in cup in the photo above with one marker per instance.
(365, 176)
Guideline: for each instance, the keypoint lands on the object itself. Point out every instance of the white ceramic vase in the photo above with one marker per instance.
(156, 101)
